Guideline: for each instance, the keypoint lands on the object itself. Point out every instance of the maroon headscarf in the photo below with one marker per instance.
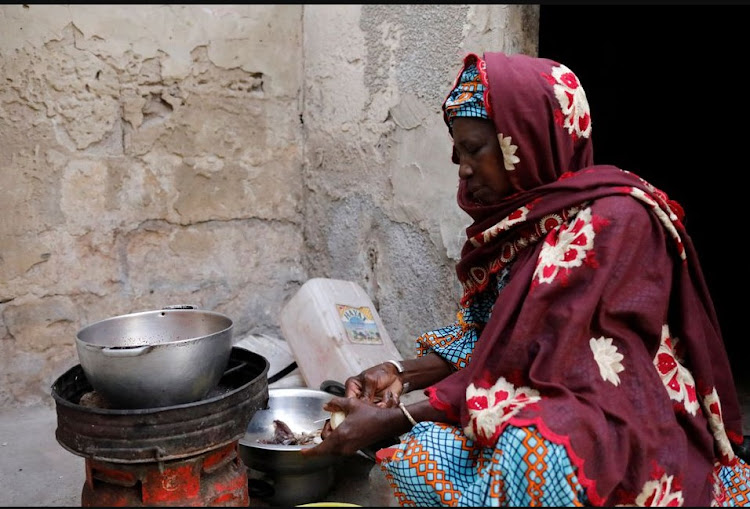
(605, 336)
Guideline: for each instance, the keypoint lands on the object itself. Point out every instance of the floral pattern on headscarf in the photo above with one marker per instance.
(676, 378)
(509, 150)
(712, 407)
(607, 358)
(574, 113)
(661, 492)
(565, 248)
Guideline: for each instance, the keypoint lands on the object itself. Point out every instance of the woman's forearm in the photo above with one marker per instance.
(394, 421)
(425, 371)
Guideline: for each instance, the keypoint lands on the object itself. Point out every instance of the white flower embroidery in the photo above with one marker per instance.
(573, 102)
(712, 407)
(517, 216)
(491, 409)
(509, 150)
(663, 217)
(676, 378)
(566, 247)
(608, 359)
(658, 493)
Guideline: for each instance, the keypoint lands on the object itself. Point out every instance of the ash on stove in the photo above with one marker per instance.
(93, 399)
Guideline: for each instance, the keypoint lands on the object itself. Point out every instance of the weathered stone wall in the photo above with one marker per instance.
(150, 155)
(221, 155)
(381, 190)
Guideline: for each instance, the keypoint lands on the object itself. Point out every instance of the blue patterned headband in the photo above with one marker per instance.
(467, 99)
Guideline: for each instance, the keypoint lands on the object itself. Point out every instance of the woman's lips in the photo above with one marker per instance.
(475, 195)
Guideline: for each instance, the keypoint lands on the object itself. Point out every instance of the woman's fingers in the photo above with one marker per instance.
(326, 447)
(353, 387)
(326, 430)
(390, 398)
(338, 404)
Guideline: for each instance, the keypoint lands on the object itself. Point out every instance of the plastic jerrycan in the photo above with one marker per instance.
(334, 331)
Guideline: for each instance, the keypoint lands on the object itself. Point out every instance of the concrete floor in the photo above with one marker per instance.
(36, 471)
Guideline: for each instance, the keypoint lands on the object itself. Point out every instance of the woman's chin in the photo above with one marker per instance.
(481, 202)
(472, 201)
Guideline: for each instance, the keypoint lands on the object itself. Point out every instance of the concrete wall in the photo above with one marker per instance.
(381, 189)
(221, 155)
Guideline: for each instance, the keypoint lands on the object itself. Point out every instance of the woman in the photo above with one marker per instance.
(586, 366)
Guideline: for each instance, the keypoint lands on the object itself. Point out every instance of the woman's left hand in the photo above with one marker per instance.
(365, 423)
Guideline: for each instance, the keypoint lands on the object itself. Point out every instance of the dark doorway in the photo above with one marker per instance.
(669, 99)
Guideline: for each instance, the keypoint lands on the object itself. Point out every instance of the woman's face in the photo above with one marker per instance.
(480, 160)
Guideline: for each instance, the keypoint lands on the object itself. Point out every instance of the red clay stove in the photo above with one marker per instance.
(182, 455)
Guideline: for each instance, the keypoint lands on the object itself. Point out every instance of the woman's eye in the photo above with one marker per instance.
(472, 149)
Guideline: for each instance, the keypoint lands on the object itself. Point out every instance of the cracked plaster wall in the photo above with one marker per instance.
(380, 205)
(221, 155)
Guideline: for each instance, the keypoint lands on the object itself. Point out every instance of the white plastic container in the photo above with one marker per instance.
(334, 331)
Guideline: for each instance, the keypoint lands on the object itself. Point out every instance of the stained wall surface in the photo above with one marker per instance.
(222, 155)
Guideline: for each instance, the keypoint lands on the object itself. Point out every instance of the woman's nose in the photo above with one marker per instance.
(464, 171)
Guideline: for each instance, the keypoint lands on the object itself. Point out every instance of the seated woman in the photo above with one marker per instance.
(586, 365)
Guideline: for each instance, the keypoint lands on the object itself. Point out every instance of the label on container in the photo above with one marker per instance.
(359, 324)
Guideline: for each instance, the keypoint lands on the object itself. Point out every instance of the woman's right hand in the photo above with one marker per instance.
(380, 384)
(364, 425)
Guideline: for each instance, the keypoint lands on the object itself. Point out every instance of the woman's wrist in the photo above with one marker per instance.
(404, 418)
(397, 423)
(405, 384)
(407, 414)
(424, 371)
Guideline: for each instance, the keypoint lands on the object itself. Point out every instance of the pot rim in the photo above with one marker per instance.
(161, 312)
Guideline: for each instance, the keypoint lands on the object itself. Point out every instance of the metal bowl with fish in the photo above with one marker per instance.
(276, 435)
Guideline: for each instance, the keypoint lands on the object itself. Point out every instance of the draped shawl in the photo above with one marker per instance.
(605, 336)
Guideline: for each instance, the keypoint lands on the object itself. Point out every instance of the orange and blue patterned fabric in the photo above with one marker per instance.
(456, 341)
(467, 97)
(439, 466)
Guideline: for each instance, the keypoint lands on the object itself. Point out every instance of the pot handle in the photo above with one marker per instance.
(180, 306)
(132, 351)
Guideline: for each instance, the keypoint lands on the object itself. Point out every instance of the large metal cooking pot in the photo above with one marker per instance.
(159, 358)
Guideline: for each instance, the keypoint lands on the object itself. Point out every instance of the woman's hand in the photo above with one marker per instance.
(383, 384)
(365, 424)
(380, 384)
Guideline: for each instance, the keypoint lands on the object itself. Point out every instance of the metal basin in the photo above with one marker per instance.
(154, 359)
(295, 478)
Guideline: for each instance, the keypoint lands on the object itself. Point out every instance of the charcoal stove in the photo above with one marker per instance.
(181, 455)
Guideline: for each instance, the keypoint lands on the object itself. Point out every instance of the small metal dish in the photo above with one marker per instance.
(292, 477)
